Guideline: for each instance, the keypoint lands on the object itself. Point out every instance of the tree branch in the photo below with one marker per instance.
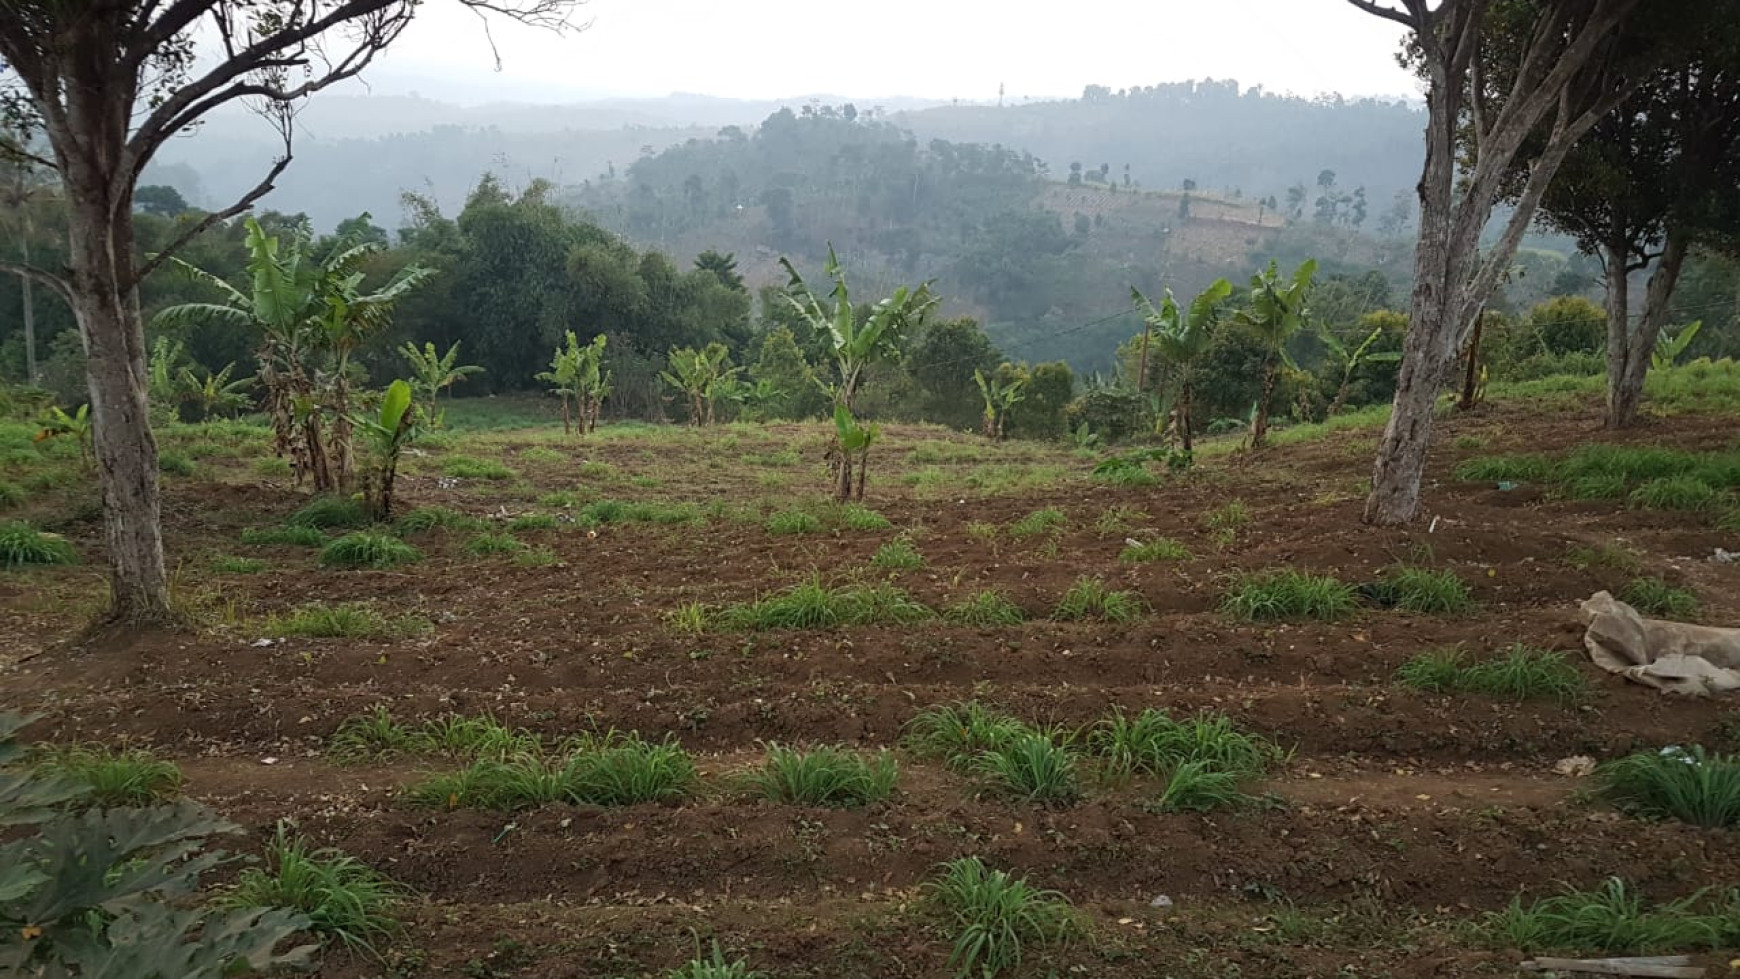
(246, 202)
(47, 278)
(11, 149)
(1399, 16)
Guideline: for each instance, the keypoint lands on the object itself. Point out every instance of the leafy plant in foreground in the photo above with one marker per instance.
(826, 776)
(1031, 766)
(342, 897)
(1687, 784)
(113, 778)
(957, 733)
(1613, 919)
(985, 609)
(1290, 595)
(1089, 598)
(368, 549)
(22, 544)
(996, 916)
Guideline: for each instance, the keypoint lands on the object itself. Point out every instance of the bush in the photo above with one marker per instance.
(368, 549)
(1114, 414)
(826, 777)
(996, 916)
(1285, 595)
(22, 544)
(329, 513)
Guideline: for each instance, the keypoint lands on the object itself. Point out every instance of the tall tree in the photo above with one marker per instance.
(107, 84)
(1570, 74)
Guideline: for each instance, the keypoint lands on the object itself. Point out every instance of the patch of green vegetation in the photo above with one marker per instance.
(957, 733)
(1674, 493)
(593, 469)
(330, 513)
(532, 521)
(715, 967)
(21, 545)
(230, 564)
(601, 512)
(1435, 670)
(543, 455)
(1158, 549)
(1032, 767)
(1528, 468)
(1658, 599)
(812, 605)
(1290, 595)
(1520, 673)
(368, 549)
(429, 518)
(794, 522)
(466, 467)
(1089, 598)
(11, 495)
(985, 609)
(113, 777)
(1229, 518)
(342, 897)
(1686, 784)
(983, 532)
(1199, 786)
(536, 557)
(1594, 486)
(318, 620)
(283, 536)
(996, 917)
(1038, 522)
(1422, 590)
(1607, 556)
(561, 499)
(897, 555)
(490, 543)
(618, 771)
(1615, 919)
(1154, 743)
(826, 776)
(1120, 519)
(857, 516)
(273, 467)
(175, 464)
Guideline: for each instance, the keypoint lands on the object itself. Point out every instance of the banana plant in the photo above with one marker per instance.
(213, 394)
(391, 427)
(161, 374)
(1000, 396)
(1352, 360)
(852, 440)
(1668, 348)
(855, 346)
(701, 376)
(435, 372)
(592, 383)
(1181, 338)
(56, 423)
(1277, 312)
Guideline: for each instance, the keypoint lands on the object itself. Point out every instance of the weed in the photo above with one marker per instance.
(1469, 443)
(532, 521)
(1613, 557)
(1038, 522)
(1521, 673)
(1612, 919)
(794, 522)
(330, 513)
(1530, 468)
(536, 557)
(279, 536)
(623, 771)
(601, 512)
(1655, 597)
(897, 555)
(458, 736)
(273, 467)
(811, 605)
(565, 499)
(347, 621)
(465, 467)
(596, 470)
(114, 778)
(1414, 589)
(715, 967)
(22, 544)
(342, 897)
(1435, 671)
(1089, 598)
(1154, 743)
(230, 564)
(826, 776)
(1118, 520)
(1594, 486)
(985, 609)
(1290, 595)
(1199, 786)
(175, 464)
(490, 543)
(1674, 493)
(690, 618)
(1031, 766)
(1228, 519)
(857, 516)
(368, 549)
(1158, 549)
(984, 533)
(1679, 783)
(997, 916)
(957, 733)
(373, 735)
(11, 495)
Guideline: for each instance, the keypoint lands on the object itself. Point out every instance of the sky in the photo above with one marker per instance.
(933, 49)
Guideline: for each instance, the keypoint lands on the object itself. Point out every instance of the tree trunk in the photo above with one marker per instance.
(1142, 371)
(1471, 380)
(863, 471)
(1260, 424)
(1184, 413)
(1626, 376)
(843, 472)
(24, 284)
(567, 427)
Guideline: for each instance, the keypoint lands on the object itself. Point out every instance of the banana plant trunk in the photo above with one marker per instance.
(863, 470)
(1183, 422)
(1260, 424)
(1471, 379)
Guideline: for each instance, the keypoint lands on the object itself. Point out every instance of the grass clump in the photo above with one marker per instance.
(378, 735)
(429, 518)
(22, 544)
(1658, 599)
(826, 776)
(1199, 786)
(351, 620)
(466, 467)
(491, 543)
(794, 522)
(1229, 519)
(689, 618)
(1673, 493)
(996, 916)
(1423, 590)
(714, 967)
(175, 464)
(1686, 784)
(230, 564)
(1529, 468)
(812, 605)
(368, 549)
(1038, 522)
(1290, 595)
(343, 897)
(857, 516)
(113, 778)
(957, 733)
(897, 555)
(291, 536)
(616, 771)
(1520, 673)
(532, 521)
(1119, 519)
(543, 454)
(1613, 919)
(1157, 744)
(536, 557)
(985, 609)
(1611, 557)
(1089, 598)
(1158, 549)
(601, 512)
(330, 513)
(11, 495)
(1033, 767)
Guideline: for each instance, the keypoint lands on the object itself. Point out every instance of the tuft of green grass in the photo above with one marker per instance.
(11, 495)
(532, 521)
(996, 916)
(283, 536)
(1289, 595)
(566, 499)
(1089, 598)
(1686, 784)
(1414, 589)
(983, 532)
(465, 467)
(22, 544)
(618, 771)
(1607, 556)
(330, 513)
(1520, 673)
(230, 564)
(957, 733)
(1033, 767)
(376, 734)
(1594, 486)
(368, 549)
(459, 736)
(857, 516)
(1435, 670)
(491, 543)
(113, 778)
(1199, 786)
(812, 605)
(794, 522)
(536, 557)
(1038, 522)
(826, 776)
(714, 967)
(1228, 519)
(175, 464)
(1613, 919)
(985, 609)
(690, 618)
(1155, 743)
(1674, 493)
(602, 512)
(1658, 599)
(1158, 549)
(273, 467)
(319, 620)
(543, 454)
(343, 897)
(429, 518)
(897, 555)
(1529, 468)
(1119, 519)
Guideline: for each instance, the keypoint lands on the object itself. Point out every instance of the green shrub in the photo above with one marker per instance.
(1435, 671)
(1658, 599)
(283, 536)
(1287, 595)
(1674, 493)
(368, 549)
(1038, 522)
(1199, 786)
(342, 897)
(330, 513)
(465, 467)
(794, 522)
(985, 609)
(897, 555)
(113, 778)
(175, 464)
(22, 544)
(1677, 783)
(1089, 598)
(826, 777)
(1033, 767)
(1158, 549)
(996, 916)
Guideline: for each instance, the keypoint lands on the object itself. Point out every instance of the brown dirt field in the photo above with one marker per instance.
(1398, 815)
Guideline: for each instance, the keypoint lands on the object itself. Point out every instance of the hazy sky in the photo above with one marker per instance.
(938, 49)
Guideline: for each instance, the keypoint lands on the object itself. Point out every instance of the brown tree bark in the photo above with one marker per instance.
(1627, 372)
(1471, 379)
